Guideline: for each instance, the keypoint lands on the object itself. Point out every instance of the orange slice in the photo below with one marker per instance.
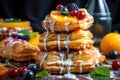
(23, 24)
(34, 41)
(56, 16)
(3, 70)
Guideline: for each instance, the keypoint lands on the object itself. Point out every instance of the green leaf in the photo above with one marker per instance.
(33, 34)
(7, 60)
(102, 71)
(116, 32)
(25, 32)
(13, 20)
(41, 74)
(98, 76)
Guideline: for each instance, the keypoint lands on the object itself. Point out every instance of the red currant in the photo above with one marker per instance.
(22, 69)
(13, 72)
(80, 15)
(59, 6)
(73, 12)
(115, 65)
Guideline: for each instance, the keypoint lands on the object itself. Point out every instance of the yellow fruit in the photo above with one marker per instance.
(34, 41)
(15, 24)
(56, 16)
(110, 42)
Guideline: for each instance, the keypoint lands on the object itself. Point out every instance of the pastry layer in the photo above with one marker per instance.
(67, 44)
(58, 26)
(76, 62)
(18, 50)
(77, 34)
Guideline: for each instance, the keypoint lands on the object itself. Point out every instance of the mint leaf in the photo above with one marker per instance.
(95, 75)
(102, 71)
(33, 34)
(25, 32)
(41, 74)
(7, 60)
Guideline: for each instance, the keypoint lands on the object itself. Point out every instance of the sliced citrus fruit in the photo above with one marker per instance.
(3, 70)
(34, 41)
(15, 24)
(56, 16)
(110, 42)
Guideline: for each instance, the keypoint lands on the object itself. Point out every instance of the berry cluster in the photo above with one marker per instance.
(20, 36)
(71, 9)
(27, 72)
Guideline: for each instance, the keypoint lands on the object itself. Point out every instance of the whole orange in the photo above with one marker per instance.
(110, 41)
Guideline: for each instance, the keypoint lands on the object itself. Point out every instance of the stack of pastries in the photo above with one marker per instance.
(67, 46)
(12, 25)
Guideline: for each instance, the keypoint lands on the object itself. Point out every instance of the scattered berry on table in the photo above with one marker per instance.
(113, 54)
(33, 67)
(22, 70)
(13, 72)
(28, 75)
(115, 65)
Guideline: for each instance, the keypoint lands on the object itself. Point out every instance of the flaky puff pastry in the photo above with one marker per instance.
(61, 26)
(67, 44)
(81, 61)
(18, 51)
(76, 34)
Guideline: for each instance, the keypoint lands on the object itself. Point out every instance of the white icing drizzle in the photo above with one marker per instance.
(84, 44)
(69, 75)
(58, 37)
(67, 26)
(62, 57)
(45, 55)
(13, 41)
(47, 33)
(4, 29)
(96, 60)
(80, 67)
(51, 25)
(66, 42)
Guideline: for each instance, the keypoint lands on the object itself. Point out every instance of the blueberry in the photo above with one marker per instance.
(28, 75)
(20, 36)
(64, 11)
(113, 54)
(72, 6)
(33, 67)
(26, 37)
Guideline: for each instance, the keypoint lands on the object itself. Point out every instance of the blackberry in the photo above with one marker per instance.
(72, 6)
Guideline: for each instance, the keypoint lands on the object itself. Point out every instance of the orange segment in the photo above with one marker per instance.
(56, 16)
(15, 24)
(110, 42)
(34, 41)
(3, 70)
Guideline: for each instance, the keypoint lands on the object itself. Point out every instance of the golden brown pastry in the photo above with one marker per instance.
(59, 23)
(67, 44)
(17, 49)
(80, 61)
(77, 34)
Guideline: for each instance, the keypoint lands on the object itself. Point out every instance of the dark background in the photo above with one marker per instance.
(36, 10)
